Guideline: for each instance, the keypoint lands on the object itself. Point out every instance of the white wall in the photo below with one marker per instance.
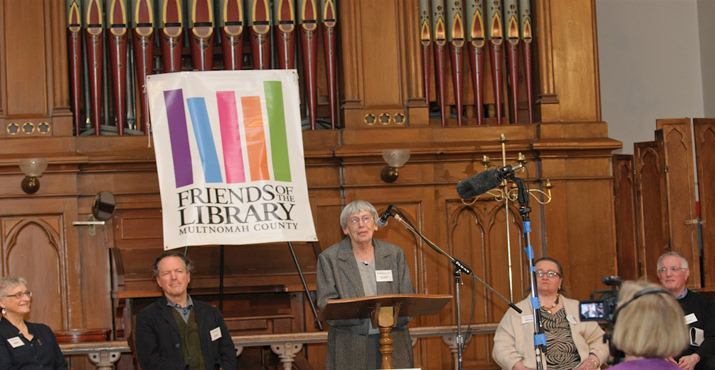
(650, 64)
(706, 22)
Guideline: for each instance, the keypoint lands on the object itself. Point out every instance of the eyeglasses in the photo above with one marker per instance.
(19, 295)
(367, 220)
(551, 274)
(663, 270)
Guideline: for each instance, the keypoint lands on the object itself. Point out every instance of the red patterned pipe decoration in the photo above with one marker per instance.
(231, 28)
(117, 24)
(74, 52)
(94, 36)
(284, 24)
(511, 15)
(171, 34)
(260, 26)
(143, 40)
(439, 38)
(329, 17)
(476, 39)
(308, 18)
(202, 34)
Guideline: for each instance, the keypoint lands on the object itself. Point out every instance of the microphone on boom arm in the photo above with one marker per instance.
(484, 181)
(382, 220)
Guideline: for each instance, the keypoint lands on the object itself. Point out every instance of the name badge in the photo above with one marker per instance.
(571, 319)
(697, 336)
(526, 319)
(215, 334)
(690, 318)
(16, 342)
(382, 276)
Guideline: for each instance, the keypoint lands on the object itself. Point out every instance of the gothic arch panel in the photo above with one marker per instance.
(32, 249)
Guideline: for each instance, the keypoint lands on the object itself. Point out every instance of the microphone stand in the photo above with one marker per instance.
(524, 210)
(459, 268)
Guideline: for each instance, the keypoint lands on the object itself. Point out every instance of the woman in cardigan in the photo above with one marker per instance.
(570, 343)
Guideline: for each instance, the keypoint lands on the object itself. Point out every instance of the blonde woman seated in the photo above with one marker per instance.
(649, 327)
(570, 343)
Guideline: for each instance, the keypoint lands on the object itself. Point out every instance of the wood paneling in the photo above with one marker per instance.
(33, 68)
(625, 214)
(704, 133)
(651, 205)
(32, 248)
(573, 40)
(24, 34)
(676, 136)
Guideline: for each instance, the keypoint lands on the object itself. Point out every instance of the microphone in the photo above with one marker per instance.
(382, 221)
(484, 181)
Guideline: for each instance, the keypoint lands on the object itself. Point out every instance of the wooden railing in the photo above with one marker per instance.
(286, 346)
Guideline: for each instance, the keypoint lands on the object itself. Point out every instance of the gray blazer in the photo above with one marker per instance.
(338, 277)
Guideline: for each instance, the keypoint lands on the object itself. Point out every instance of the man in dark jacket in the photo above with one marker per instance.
(178, 333)
(673, 273)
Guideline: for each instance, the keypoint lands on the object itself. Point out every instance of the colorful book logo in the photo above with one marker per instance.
(253, 137)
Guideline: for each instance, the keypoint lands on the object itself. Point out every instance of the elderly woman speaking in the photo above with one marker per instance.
(570, 343)
(362, 266)
(24, 345)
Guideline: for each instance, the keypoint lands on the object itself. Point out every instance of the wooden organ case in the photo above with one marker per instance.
(370, 93)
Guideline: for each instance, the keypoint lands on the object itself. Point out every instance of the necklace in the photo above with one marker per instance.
(556, 303)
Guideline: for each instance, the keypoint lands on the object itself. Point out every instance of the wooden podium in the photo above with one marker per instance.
(383, 311)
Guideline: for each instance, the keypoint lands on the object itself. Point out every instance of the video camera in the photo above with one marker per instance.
(602, 304)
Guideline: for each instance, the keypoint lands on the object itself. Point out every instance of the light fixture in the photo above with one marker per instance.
(395, 158)
(32, 168)
(103, 208)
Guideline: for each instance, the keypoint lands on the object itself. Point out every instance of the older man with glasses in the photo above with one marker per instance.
(673, 273)
(358, 266)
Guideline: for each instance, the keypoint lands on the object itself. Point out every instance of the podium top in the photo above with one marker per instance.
(361, 307)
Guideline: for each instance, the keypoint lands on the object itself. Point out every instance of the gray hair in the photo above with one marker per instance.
(683, 261)
(10, 281)
(356, 206)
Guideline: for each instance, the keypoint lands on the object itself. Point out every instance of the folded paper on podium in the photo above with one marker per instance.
(383, 310)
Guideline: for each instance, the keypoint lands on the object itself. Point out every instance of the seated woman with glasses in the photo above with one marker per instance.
(361, 266)
(570, 343)
(24, 345)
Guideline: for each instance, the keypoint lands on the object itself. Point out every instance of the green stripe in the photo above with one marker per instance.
(277, 126)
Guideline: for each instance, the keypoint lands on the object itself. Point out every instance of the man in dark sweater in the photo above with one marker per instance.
(673, 273)
(178, 333)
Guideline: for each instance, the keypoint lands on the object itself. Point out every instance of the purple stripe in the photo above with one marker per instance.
(179, 137)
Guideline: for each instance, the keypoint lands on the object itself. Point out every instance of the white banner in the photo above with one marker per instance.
(229, 153)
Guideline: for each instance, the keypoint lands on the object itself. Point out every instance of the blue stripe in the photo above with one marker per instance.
(204, 139)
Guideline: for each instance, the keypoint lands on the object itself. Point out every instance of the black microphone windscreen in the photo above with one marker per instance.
(478, 184)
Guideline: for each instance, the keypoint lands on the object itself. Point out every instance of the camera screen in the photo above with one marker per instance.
(591, 311)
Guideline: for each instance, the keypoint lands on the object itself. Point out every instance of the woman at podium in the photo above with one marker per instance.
(360, 266)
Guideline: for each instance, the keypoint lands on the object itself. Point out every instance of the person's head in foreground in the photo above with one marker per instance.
(649, 322)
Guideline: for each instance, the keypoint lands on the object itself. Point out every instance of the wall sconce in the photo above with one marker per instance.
(32, 168)
(103, 208)
(395, 158)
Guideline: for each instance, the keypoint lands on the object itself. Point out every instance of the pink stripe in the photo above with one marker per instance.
(230, 137)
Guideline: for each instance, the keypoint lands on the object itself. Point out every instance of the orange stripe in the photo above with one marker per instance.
(255, 138)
